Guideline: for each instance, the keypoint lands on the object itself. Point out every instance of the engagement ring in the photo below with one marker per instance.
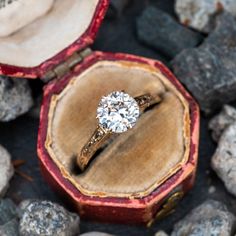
(116, 113)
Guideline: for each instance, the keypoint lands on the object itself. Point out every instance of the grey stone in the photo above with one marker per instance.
(95, 234)
(6, 170)
(160, 31)
(224, 159)
(15, 98)
(221, 121)
(8, 211)
(210, 218)
(10, 228)
(45, 218)
(209, 71)
(200, 14)
(8, 218)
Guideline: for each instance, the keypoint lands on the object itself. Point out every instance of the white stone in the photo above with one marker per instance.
(220, 122)
(6, 170)
(15, 98)
(118, 112)
(199, 14)
(161, 233)
(208, 219)
(224, 159)
(47, 218)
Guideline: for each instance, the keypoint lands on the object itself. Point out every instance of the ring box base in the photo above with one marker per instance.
(142, 174)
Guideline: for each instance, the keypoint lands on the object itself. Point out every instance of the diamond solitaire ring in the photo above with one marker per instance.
(116, 113)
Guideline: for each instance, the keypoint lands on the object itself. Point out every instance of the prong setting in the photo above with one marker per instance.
(118, 112)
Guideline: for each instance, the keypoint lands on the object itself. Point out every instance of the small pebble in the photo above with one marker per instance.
(47, 218)
(200, 14)
(224, 159)
(210, 218)
(211, 190)
(6, 170)
(15, 98)
(160, 31)
(221, 121)
(209, 71)
(161, 233)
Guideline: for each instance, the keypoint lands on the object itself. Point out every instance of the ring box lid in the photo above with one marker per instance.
(68, 27)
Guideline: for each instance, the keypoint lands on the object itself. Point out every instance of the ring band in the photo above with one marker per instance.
(117, 113)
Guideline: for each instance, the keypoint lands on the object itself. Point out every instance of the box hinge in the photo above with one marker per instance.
(68, 65)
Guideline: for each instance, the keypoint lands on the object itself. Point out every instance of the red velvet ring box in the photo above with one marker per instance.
(142, 174)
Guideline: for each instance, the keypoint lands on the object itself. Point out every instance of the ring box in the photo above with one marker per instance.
(143, 173)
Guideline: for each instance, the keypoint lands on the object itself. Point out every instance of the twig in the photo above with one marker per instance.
(25, 176)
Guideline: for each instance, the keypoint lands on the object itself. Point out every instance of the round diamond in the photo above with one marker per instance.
(118, 112)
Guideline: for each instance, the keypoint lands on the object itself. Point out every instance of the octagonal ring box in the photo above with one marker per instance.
(140, 175)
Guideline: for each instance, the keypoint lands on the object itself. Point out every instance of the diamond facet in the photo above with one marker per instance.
(118, 112)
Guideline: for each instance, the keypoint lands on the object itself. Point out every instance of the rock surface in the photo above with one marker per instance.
(8, 211)
(47, 218)
(6, 170)
(209, 71)
(200, 14)
(23, 206)
(221, 121)
(10, 228)
(8, 218)
(160, 31)
(15, 98)
(224, 159)
(210, 218)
